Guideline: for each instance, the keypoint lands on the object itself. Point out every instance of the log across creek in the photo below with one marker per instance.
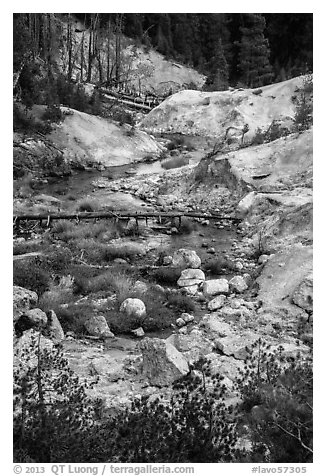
(119, 215)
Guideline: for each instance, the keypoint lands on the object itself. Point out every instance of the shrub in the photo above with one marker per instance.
(26, 247)
(219, 266)
(87, 205)
(53, 415)
(175, 143)
(175, 162)
(53, 113)
(181, 302)
(304, 105)
(29, 274)
(193, 425)
(187, 226)
(74, 316)
(26, 123)
(277, 391)
(57, 261)
(259, 137)
(167, 275)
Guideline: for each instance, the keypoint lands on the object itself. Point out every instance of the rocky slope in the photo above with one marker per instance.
(211, 114)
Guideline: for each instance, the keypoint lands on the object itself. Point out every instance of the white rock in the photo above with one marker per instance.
(246, 204)
(139, 332)
(217, 302)
(191, 277)
(191, 290)
(238, 284)
(263, 259)
(180, 322)
(213, 287)
(36, 317)
(162, 362)
(97, 326)
(187, 317)
(133, 307)
(303, 294)
(54, 327)
(185, 258)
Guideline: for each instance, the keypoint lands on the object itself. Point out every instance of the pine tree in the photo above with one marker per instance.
(253, 63)
(217, 80)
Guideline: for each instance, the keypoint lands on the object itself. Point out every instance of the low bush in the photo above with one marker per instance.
(57, 261)
(166, 275)
(175, 143)
(187, 226)
(74, 316)
(53, 113)
(30, 274)
(26, 247)
(193, 425)
(219, 266)
(276, 394)
(27, 123)
(181, 302)
(87, 205)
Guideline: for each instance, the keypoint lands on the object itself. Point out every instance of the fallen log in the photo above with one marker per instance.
(121, 215)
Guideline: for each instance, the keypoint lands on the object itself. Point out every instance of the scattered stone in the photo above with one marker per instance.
(230, 313)
(204, 245)
(23, 300)
(133, 307)
(211, 251)
(238, 284)
(120, 261)
(98, 327)
(263, 259)
(191, 290)
(191, 277)
(180, 322)
(185, 258)
(167, 260)
(217, 302)
(162, 362)
(213, 287)
(174, 231)
(140, 287)
(139, 332)
(187, 317)
(238, 265)
(205, 223)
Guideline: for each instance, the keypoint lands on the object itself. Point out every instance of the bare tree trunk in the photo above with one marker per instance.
(108, 71)
(69, 41)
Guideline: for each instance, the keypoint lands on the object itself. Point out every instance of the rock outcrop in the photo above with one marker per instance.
(162, 362)
(184, 258)
(23, 300)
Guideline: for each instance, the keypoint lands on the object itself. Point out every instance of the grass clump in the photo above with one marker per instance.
(166, 275)
(30, 274)
(181, 302)
(87, 205)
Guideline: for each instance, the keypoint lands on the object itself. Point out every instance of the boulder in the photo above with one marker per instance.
(27, 345)
(54, 327)
(184, 258)
(98, 327)
(167, 260)
(23, 300)
(140, 287)
(212, 287)
(217, 302)
(191, 277)
(162, 362)
(303, 294)
(133, 307)
(139, 332)
(238, 284)
(36, 317)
